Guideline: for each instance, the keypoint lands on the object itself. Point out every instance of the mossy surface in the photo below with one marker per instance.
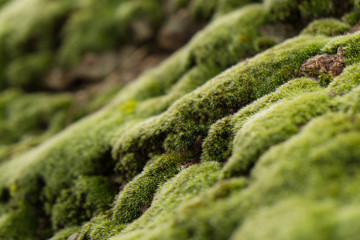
(328, 27)
(222, 137)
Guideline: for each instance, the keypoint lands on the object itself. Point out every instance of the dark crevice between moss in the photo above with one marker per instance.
(4, 195)
(132, 161)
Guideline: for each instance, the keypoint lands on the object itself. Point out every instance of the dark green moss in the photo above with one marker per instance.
(19, 224)
(88, 197)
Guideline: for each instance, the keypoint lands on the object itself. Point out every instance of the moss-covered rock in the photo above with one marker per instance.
(328, 27)
(222, 137)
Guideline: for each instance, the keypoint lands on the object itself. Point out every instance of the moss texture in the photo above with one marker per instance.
(222, 137)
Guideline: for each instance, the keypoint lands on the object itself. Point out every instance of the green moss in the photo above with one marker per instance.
(233, 34)
(33, 114)
(287, 144)
(191, 116)
(147, 137)
(202, 9)
(316, 8)
(349, 43)
(270, 194)
(32, 33)
(348, 80)
(218, 144)
(19, 224)
(263, 43)
(271, 127)
(198, 111)
(88, 197)
(27, 72)
(184, 186)
(139, 192)
(304, 220)
(327, 27)
(225, 6)
(65, 233)
(85, 32)
(352, 18)
(100, 227)
(288, 10)
(194, 78)
(282, 9)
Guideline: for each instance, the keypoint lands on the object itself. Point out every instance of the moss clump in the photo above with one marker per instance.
(27, 41)
(32, 114)
(282, 9)
(263, 43)
(285, 135)
(84, 32)
(139, 192)
(65, 233)
(204, 10)
(28, 71)
(289, 10)
(348, 80)
(246, 207)
(328, 27)
(218, 144)
(190, 117)
(349, 44)
(271, 127)
(19, 224)
(186, 185)
(88, 197)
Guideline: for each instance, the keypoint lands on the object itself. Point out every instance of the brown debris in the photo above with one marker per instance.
(145, 207)
(332, 94)
(119, 67)
(75, 236)
(354, 29)
(189, 163)
(142, 30)
(324, 64)
(177, 30)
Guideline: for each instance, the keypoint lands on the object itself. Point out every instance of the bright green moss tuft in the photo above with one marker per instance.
(186, 185)
(233, 34)
(349, 43)
(303, 220)
(218, 145)
(328, 27)
(100, 227)
(271, 127)
(348, 80)
(139, 192)
(65, 233)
